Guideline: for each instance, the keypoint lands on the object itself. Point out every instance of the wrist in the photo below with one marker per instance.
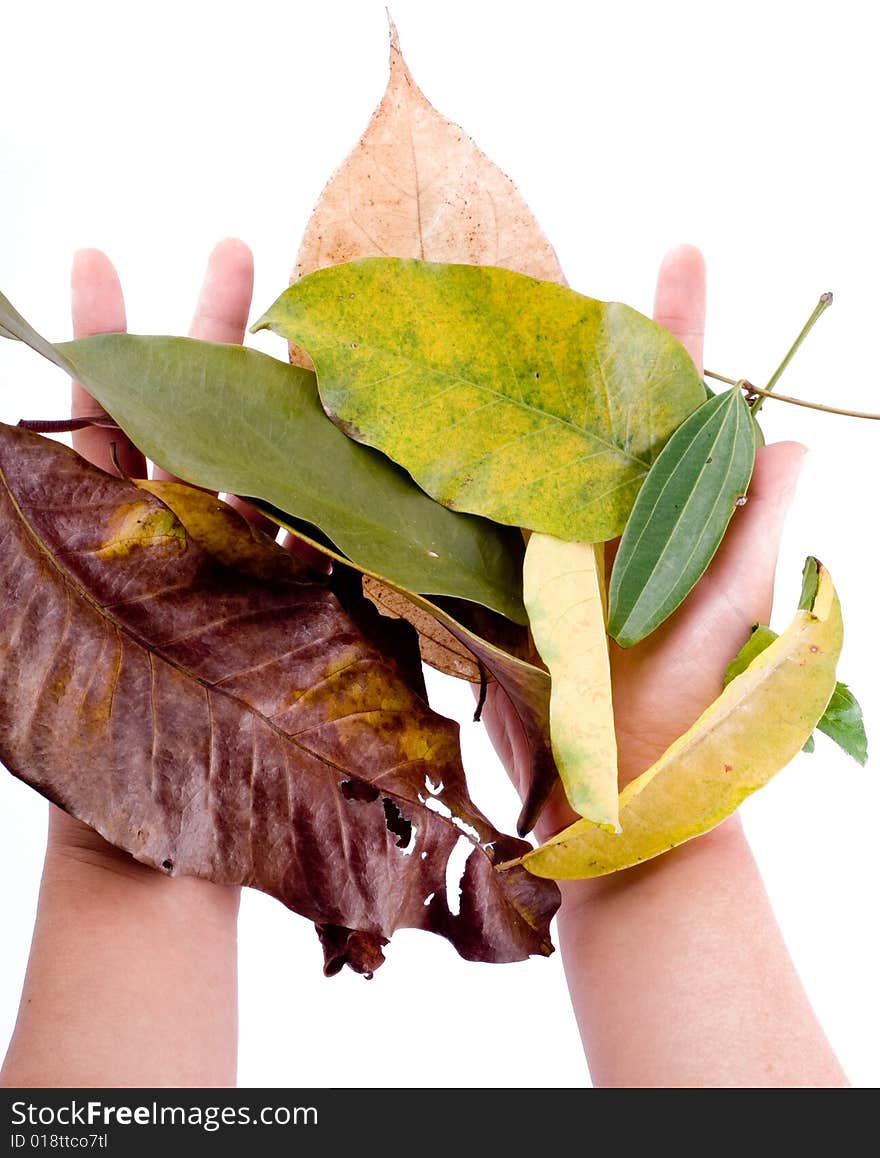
(717, 850)
(80, 860)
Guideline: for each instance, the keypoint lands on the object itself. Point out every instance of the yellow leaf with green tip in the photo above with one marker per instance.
(758, 723)
(564, 594)
(221, 531)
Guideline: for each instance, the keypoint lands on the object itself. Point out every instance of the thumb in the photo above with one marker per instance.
(745, 564)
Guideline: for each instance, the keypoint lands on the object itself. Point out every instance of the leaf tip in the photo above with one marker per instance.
(810, 583)
(393, 38)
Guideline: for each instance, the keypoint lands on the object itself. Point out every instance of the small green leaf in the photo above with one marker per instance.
(231, 419)
(844, 724)
(680, 515)
(842, 720)
(758, 641)
(513, 398)
(810, 584)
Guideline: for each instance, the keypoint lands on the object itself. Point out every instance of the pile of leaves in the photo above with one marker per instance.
(217, 707)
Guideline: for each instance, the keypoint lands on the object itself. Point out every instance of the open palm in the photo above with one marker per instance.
(662, 685)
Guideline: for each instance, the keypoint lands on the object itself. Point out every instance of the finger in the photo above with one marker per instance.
(310, 555)
(745, 565)
(736, 591)
(97, 307)
(222, 316)
(680, 299)
(224, 300)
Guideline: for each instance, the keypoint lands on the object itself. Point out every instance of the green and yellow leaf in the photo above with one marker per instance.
(504, 396)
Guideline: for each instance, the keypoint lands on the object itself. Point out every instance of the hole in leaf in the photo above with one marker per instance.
(358, 790)
(397, 824)
(455, 867)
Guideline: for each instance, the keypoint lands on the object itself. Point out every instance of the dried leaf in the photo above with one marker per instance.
(526, 686)
(416, 185)
(513, 398)
(758, 723)
(439, 647)
(564, 593)
(236, 729)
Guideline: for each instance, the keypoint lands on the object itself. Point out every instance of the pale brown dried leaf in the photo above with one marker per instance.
(416, 185)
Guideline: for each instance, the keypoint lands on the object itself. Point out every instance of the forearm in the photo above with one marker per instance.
(679, 975)
(132, 975)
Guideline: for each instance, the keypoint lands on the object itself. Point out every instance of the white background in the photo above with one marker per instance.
(151, 131)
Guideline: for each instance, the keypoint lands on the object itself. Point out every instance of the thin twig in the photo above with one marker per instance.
(478, 711)
(824, 302)
(750, 390)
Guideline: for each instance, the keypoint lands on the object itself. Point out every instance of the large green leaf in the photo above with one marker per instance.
(238, 729)
(841, 721)
(232, 419)
(680, 515)
(502, 395)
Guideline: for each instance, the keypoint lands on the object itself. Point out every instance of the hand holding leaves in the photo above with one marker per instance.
(514, 402)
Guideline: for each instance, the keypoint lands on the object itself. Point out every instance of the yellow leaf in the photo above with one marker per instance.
(564, 594)
(758, 723)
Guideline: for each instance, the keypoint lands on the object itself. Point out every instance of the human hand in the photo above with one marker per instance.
(664, 683)
(97, 307)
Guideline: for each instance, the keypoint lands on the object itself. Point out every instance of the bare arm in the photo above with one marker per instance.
(131, 979)
(679, 976)
(677, 969)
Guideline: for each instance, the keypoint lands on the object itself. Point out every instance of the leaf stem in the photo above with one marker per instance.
(752, 390)
(824, 302)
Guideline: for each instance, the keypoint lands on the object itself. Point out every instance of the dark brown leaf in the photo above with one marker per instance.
(240, 730)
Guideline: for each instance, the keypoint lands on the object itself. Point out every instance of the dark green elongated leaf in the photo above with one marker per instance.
(231, 419)
(759, 433)
(680, 516)
(510, 397)
(842, 720)
(236, 729)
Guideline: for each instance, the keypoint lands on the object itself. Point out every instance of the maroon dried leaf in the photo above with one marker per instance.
(238, 730)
